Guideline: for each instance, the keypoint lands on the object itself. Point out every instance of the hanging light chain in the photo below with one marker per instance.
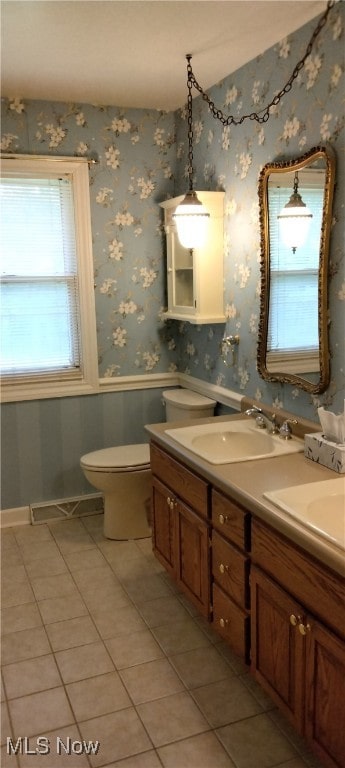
(190, 123)
(264, 114)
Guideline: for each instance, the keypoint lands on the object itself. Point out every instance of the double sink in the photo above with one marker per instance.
(319, 506)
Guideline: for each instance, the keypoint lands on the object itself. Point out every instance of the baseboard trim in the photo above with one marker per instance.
(15, 516)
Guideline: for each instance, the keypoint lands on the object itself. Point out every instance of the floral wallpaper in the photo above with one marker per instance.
(142, 159)
(231, 158)
(135, 156)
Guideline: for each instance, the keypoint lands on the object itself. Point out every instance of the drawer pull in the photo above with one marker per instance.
(223, 622)
(224, 568)
(304, 628)
(223, 519)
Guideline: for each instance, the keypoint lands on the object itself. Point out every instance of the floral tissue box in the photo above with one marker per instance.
(319, 449)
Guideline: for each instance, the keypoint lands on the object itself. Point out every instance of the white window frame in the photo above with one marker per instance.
(86, 381)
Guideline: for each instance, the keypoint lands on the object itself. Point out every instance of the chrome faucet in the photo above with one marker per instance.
(263, 420)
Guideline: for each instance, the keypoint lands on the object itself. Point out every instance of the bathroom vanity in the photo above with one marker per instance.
(272, 588)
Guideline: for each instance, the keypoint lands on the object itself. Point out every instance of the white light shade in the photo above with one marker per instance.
(191, 220)
(294, 222)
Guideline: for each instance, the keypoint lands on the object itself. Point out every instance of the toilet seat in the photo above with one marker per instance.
(121, 458)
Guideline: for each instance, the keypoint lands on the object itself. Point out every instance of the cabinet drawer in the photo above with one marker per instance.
(231, 622)
(188, 486)
(320, 591)
(230, 570)
(230, 520)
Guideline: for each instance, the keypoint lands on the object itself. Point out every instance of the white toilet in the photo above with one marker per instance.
(123, 473)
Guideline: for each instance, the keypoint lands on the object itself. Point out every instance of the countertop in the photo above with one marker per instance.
(246, 482)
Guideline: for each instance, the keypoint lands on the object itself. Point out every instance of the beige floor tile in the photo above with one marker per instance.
(14, 574)
(20, 617)
(137, 648)
(179, 637)
(60, 744)
(119, 551)
(71, 633)
(26, 644)
(83, 662)
(16, 593)
(40, 712)
(29, 533)
(226, 701)
(256, 739)
(103, 599)
(7, 758)
(97, 696)
(11, 556)
(60, 585)
(30, 676)
(6, 729)
(71, 536)
(203, 751)
(91, 558)
(163, 610)
(201, 666)
(149, 681)
(91, 579)
(172, 718)
(41, 551)
(61, 608)
(120, 734)
(51, 566)
(8, 539)
(133, 569)
(122, 622)
(145, 588)
(144, 760)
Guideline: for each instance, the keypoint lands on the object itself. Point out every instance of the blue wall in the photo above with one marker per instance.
(231, 159)
(142, 157)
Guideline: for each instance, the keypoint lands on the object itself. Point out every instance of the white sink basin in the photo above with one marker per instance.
(229, 441)
(318, 506)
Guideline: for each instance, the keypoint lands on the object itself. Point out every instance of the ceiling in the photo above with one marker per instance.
(131, 53)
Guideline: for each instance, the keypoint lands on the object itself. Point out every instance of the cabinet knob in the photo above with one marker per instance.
(304, 628)
(171, 503)
(223, 568)
(294, 620)
(223, 622)
(223, 519)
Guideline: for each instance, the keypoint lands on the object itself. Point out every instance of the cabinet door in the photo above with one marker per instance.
(164, 525)
(325, 695)
(193, 562)
(278, 647)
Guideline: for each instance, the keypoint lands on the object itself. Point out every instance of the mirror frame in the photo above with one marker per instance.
(327, 154)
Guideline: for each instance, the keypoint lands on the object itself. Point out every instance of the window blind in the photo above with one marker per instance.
(39, 281)
(294, 278)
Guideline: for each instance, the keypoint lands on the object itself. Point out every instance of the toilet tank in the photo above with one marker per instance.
(181, 404)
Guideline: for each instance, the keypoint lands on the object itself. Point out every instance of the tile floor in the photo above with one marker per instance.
(98, 645)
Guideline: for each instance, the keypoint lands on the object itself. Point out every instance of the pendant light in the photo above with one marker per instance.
(294, 220)
(190, 216)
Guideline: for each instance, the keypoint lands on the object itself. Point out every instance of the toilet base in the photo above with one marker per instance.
(127, 511)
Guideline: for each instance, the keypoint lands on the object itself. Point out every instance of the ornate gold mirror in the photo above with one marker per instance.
(293, 328)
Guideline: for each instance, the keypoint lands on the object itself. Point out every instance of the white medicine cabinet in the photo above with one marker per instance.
(195, 277)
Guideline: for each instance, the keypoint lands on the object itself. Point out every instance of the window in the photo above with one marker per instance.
(48, 334)
(294, 280)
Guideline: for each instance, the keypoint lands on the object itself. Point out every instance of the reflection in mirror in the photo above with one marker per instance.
(293, 335)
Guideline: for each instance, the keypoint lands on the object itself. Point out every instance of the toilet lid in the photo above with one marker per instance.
(121, 457)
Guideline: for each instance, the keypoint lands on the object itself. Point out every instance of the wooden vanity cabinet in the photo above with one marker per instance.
(230, 573)
(180, 526)
(296, 657)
